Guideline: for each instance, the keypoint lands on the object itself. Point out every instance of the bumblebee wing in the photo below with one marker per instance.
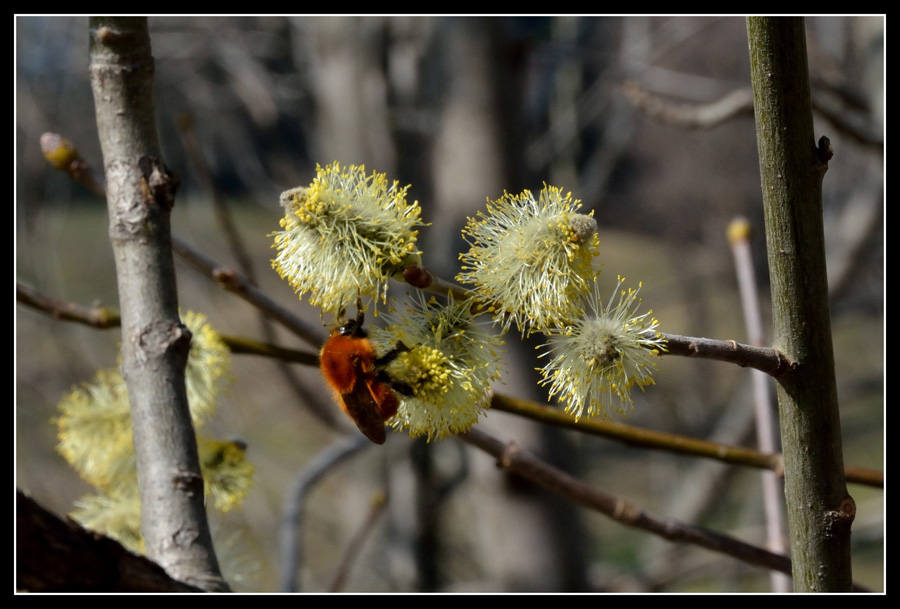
(360, 404)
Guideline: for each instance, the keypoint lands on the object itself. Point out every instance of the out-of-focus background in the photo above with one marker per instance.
(616, 110)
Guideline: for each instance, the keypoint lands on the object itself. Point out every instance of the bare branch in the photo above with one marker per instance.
(236, 283)
(658, 440)
(690, 116)
(95, 316)
(140, 195)
(521, 462)
(768, 360)
(294, 503)
(106, 318)
(764, 411)
(376, 507)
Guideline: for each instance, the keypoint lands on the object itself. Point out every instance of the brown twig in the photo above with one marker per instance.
(690, 116)
(521, 462)
(64, 156)
(108, 318)
(95, 316)
(853, 124)
(245, 346)
(105, 318)
(319, 407)
(232, 236)
(771, 361)
(658, 440)
(236, 283)
(295, 498)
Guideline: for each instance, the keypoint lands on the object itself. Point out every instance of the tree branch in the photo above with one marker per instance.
(521, 462)
(56, 555)
(690, 116)
(234, 282)
(768, 360)
(511, 458)
(140, 195)
(633, 436)
(820, 511)
(659, 440)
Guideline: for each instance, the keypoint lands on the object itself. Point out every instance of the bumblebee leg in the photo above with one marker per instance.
(402, 388)
(391, 355)
(387, 358)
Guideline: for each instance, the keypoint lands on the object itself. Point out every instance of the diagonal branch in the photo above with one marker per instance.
(521, 462)
(660, 440)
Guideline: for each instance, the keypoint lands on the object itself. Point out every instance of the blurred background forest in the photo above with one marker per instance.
(620, 111)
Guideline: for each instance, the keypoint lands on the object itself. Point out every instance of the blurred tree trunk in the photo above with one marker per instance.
(820, 510)
(526, 540)
(351, 122)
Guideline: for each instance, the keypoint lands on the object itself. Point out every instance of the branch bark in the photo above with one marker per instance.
(140, 195)
(820, 510)
(56, 555)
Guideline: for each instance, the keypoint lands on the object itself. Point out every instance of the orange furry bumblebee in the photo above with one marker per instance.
(356, 374)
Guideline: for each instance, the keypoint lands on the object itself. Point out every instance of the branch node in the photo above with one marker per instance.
(778, 470)
(824, 152)
(227, 278)
(106, 34)
(159, 184)
(188, 482)
(418, 277)
(847, 509)
(510, 452)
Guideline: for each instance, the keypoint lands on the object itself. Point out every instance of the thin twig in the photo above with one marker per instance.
(63, 155)
(769, 360)
(766, 425)
(521, 462)
(105, 318)
(232, 236)
(630, 435)
(855, 125)
(690, 116)
(294, 500)
(96, 316)
(376, 508)
(234, 282)
(658, 440)
(246, 346)
(321, 408)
